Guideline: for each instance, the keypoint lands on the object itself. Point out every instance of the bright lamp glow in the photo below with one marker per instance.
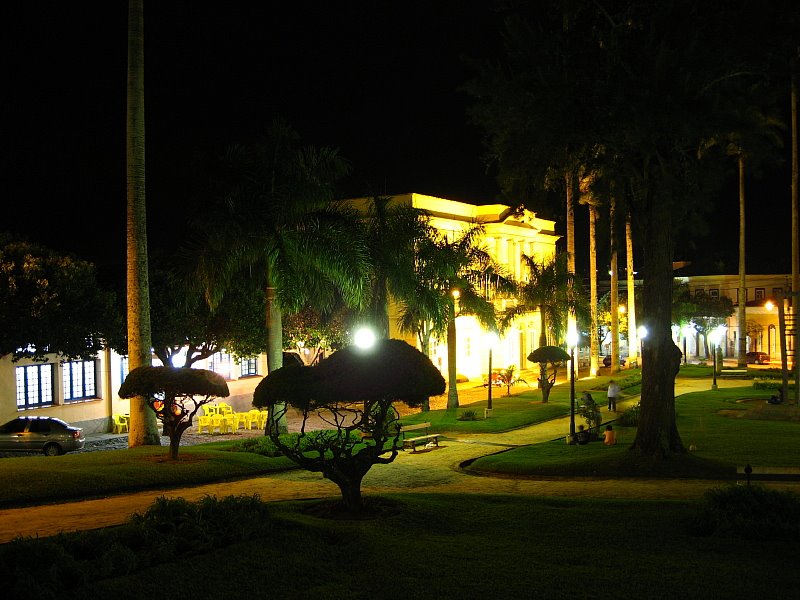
(364, 338)
(769, 305)
(572, 338)
(491, 338)
(642, 331)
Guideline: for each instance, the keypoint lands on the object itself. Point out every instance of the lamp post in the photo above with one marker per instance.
(491, 340)
(572, 342)
(714, 339)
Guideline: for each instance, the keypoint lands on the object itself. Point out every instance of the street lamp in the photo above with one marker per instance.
(572, 342)
(364, 338)
(714, 337)
(491, 341)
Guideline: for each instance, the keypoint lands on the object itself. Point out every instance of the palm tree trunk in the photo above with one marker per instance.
(572, 323)
(274, 351)
(614, 287)
(741, 354)
(633, 343)
(594, 342)
(657, 434)
(795, 228)
(143, 424)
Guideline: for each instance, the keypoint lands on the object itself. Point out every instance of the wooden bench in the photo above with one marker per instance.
(732, 373)
(775, 473)
(420, 439)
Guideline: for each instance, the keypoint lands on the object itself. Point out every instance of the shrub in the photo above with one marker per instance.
(468, 415)
(310, 441)
(630, 381)
(170, 528)
(770, 384)
(630, 418)
(750, 512)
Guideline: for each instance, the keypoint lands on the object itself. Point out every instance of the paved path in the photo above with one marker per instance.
(422, 472)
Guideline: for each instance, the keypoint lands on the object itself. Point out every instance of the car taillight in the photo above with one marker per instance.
(76, 434)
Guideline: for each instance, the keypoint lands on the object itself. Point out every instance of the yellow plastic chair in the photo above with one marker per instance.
(252, 418)
(217, 422)
(224, 409)
(242, 420)
(262, 419)
(229, 423)
(210, 409)
(120, 424)
(204, 422)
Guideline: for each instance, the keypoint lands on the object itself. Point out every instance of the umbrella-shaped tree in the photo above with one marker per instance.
(549, 358)
(354, 391)
(175, 395)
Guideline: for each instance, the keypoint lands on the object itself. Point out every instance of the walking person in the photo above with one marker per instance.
(613, 394)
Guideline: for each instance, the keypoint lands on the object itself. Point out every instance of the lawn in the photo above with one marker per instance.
(509, 412)
(469, 546)
(726, 428)
(35, 479)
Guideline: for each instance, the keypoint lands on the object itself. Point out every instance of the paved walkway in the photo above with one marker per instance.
(434, 471)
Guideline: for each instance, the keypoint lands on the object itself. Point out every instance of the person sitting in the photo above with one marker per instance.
(776, 399)
(582, 436)
(609, 436)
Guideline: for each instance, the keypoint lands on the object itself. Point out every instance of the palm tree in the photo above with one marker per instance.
(276, 227)
(143, 425)
(550, 290)
(589, 198)
(392, 231)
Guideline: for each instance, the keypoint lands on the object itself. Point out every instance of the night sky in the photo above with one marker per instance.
(378, 80)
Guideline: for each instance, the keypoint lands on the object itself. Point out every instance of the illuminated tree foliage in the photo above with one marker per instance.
(175, 395)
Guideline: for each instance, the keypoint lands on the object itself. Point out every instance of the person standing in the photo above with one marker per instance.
(613, 394)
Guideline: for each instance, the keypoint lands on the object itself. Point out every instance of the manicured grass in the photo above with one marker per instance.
(468, 546)
(508, 412)
(35, 479)
(714, 422)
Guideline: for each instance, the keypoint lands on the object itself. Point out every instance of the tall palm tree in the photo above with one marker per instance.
(633, 344)
(143, 425)
(392, 231)
(588, 197)
(549, 290)
(276, 226)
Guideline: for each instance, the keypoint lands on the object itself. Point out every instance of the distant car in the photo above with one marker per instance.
(40, 434)
(758, 358)
(607, 361)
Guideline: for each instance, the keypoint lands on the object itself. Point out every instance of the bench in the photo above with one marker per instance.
(733, 373)
(420, 439)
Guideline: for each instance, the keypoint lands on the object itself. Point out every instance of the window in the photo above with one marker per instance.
(761, 293)
(78, 380)
(249, 367)
(123, 367)
(777, 292)
(713, 293)
(220, 363)
(34, 386)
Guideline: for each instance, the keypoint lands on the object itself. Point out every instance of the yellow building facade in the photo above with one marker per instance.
(508, 235)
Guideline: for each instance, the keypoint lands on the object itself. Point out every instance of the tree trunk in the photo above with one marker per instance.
(274, 351)
(543, 377)
(795, 225)
(614, 287)
(572, 322)
(594, 342)
(633, 335)
(657, 433)
(452, 374)
(741, 354)
(143, 426)
(350, 487)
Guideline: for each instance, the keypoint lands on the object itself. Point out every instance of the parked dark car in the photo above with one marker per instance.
(40, 434)
(758, 358)
(607, 361)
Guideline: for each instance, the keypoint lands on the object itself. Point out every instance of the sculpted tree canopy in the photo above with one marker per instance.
(544, 356)
(175, 395)
(353, 391)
